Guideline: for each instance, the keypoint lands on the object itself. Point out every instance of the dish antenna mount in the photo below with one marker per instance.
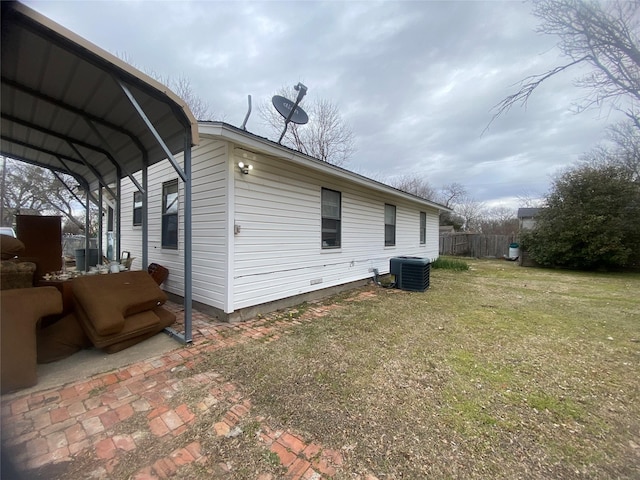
(290, 110)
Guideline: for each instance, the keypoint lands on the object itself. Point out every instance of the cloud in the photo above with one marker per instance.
(416, 81)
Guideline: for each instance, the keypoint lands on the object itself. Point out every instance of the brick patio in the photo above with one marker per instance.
(83, 418)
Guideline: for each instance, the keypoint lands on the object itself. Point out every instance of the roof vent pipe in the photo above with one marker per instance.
(244, 124)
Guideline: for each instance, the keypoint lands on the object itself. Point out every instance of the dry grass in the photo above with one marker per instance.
(497, 372)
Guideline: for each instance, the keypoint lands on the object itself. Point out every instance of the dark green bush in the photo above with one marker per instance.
(450, 264)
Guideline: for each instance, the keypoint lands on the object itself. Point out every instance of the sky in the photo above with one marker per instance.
(416, 81)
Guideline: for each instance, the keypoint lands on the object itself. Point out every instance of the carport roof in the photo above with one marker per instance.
(64, 104)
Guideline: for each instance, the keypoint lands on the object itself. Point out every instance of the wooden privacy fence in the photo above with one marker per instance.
(475, 245)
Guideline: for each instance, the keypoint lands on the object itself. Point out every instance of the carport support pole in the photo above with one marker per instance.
(188, 263)
(185, 175)
(145, 218)
(100, 226)
(118, 239)
(87, 222)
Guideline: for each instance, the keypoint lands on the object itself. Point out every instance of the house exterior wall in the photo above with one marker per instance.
(527, 223)
(278, 251)
(257, 236)
(210, 227)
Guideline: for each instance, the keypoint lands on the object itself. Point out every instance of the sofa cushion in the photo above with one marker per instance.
(166, 317)
(107, 299)
(133, 326)
(61, 339)
(10, 247)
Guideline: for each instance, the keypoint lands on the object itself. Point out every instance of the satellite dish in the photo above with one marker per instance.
(289, 110)
(284, 106)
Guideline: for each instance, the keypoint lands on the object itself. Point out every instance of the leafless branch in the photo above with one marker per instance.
(603, 35)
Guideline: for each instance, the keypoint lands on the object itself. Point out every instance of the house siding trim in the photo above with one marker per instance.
(231, 223)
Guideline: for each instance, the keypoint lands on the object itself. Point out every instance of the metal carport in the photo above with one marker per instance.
(71, 107)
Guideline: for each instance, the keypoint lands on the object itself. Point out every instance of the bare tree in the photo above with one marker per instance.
(471, 212)
(467, 212)
(29, 189)
(451, 193)
(18, 192)
(499, 220)
(326, 137)
(180, 85)
(416, 185)
(626, 139)
(527, 198)
(623, 151)
(603, 35)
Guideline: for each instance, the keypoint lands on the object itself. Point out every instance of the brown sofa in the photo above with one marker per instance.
(120, 309)
(20, 311)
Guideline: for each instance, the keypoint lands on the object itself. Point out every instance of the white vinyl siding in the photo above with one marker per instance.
(209, 225)
(276, 210)
(277, 253)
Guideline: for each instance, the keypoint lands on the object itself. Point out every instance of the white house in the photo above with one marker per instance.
(283, 226)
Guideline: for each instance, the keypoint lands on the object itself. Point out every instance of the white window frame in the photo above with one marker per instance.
(390, 212)
(331, 214)
(171, 204)
(137, 208)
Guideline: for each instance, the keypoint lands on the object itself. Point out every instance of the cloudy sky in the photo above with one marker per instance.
(416, 81)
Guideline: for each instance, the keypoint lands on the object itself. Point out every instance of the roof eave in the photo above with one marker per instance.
(267, 147)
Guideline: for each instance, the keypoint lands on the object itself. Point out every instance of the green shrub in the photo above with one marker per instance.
(450, 264)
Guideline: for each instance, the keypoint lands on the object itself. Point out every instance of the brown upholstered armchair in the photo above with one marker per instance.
(20, 310)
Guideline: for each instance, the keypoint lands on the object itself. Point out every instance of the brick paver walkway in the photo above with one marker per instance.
(85, 418)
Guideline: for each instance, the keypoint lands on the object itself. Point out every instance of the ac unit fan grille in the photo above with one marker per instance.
(415, 277)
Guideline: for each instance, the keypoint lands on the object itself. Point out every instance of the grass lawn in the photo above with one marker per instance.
(495, 372)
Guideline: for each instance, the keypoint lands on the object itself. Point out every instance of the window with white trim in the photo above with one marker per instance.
(423, 228)
(389, 225)
(331, 218)
(137, 209)
(170, 214)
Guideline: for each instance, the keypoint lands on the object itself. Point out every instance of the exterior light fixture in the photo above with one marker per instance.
(244, 168)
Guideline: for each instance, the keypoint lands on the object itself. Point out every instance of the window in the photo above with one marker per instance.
(137, 208)
(331, 211)
(423, 228)
(389, 225)
(110, 215)
(170, 214)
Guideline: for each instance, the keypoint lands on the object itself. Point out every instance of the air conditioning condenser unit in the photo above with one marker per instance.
(412, 273)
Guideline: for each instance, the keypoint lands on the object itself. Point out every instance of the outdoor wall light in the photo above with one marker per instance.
(244, 168)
